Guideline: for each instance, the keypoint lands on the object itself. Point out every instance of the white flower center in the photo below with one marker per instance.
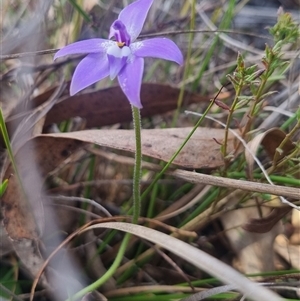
(118, 56)
(119, 52)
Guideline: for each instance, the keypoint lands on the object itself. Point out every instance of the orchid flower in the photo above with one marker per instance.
(122, 57)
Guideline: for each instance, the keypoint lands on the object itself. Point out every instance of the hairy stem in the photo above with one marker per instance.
(136, 209)
(137, 166)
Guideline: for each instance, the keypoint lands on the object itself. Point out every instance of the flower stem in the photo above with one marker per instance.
(137, 166)
(109, 273)
(136, 209)
(187, 67)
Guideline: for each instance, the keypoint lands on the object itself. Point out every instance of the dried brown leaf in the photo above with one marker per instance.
(49, 150)
(252, 248)
(110, 106)
(270, 140)
(23, 216)
(264, 225)
(201, 151)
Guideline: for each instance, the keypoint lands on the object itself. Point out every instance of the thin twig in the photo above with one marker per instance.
(194, 177)
(164, 33)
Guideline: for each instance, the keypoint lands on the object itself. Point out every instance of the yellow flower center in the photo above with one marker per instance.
(121, 44)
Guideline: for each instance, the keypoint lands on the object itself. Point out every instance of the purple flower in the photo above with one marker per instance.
(123, 57)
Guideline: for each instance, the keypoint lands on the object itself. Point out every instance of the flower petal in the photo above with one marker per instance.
(134, 15)
(119, 31)
(117, 58)
(81, 47)
(159, 48)
(91, 69)
(130, 80)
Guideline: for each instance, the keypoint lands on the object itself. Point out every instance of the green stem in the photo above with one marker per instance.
(258, 98)
(288, 122)
(283, 143)
(7, 144)
(257, 101)
(150, 187)
(136, 209)
(187, 65)
(215, 47)
(81, 11)
(6, 139)
(138, 165)
(110, 272)
(229, 118)
(283, 180)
